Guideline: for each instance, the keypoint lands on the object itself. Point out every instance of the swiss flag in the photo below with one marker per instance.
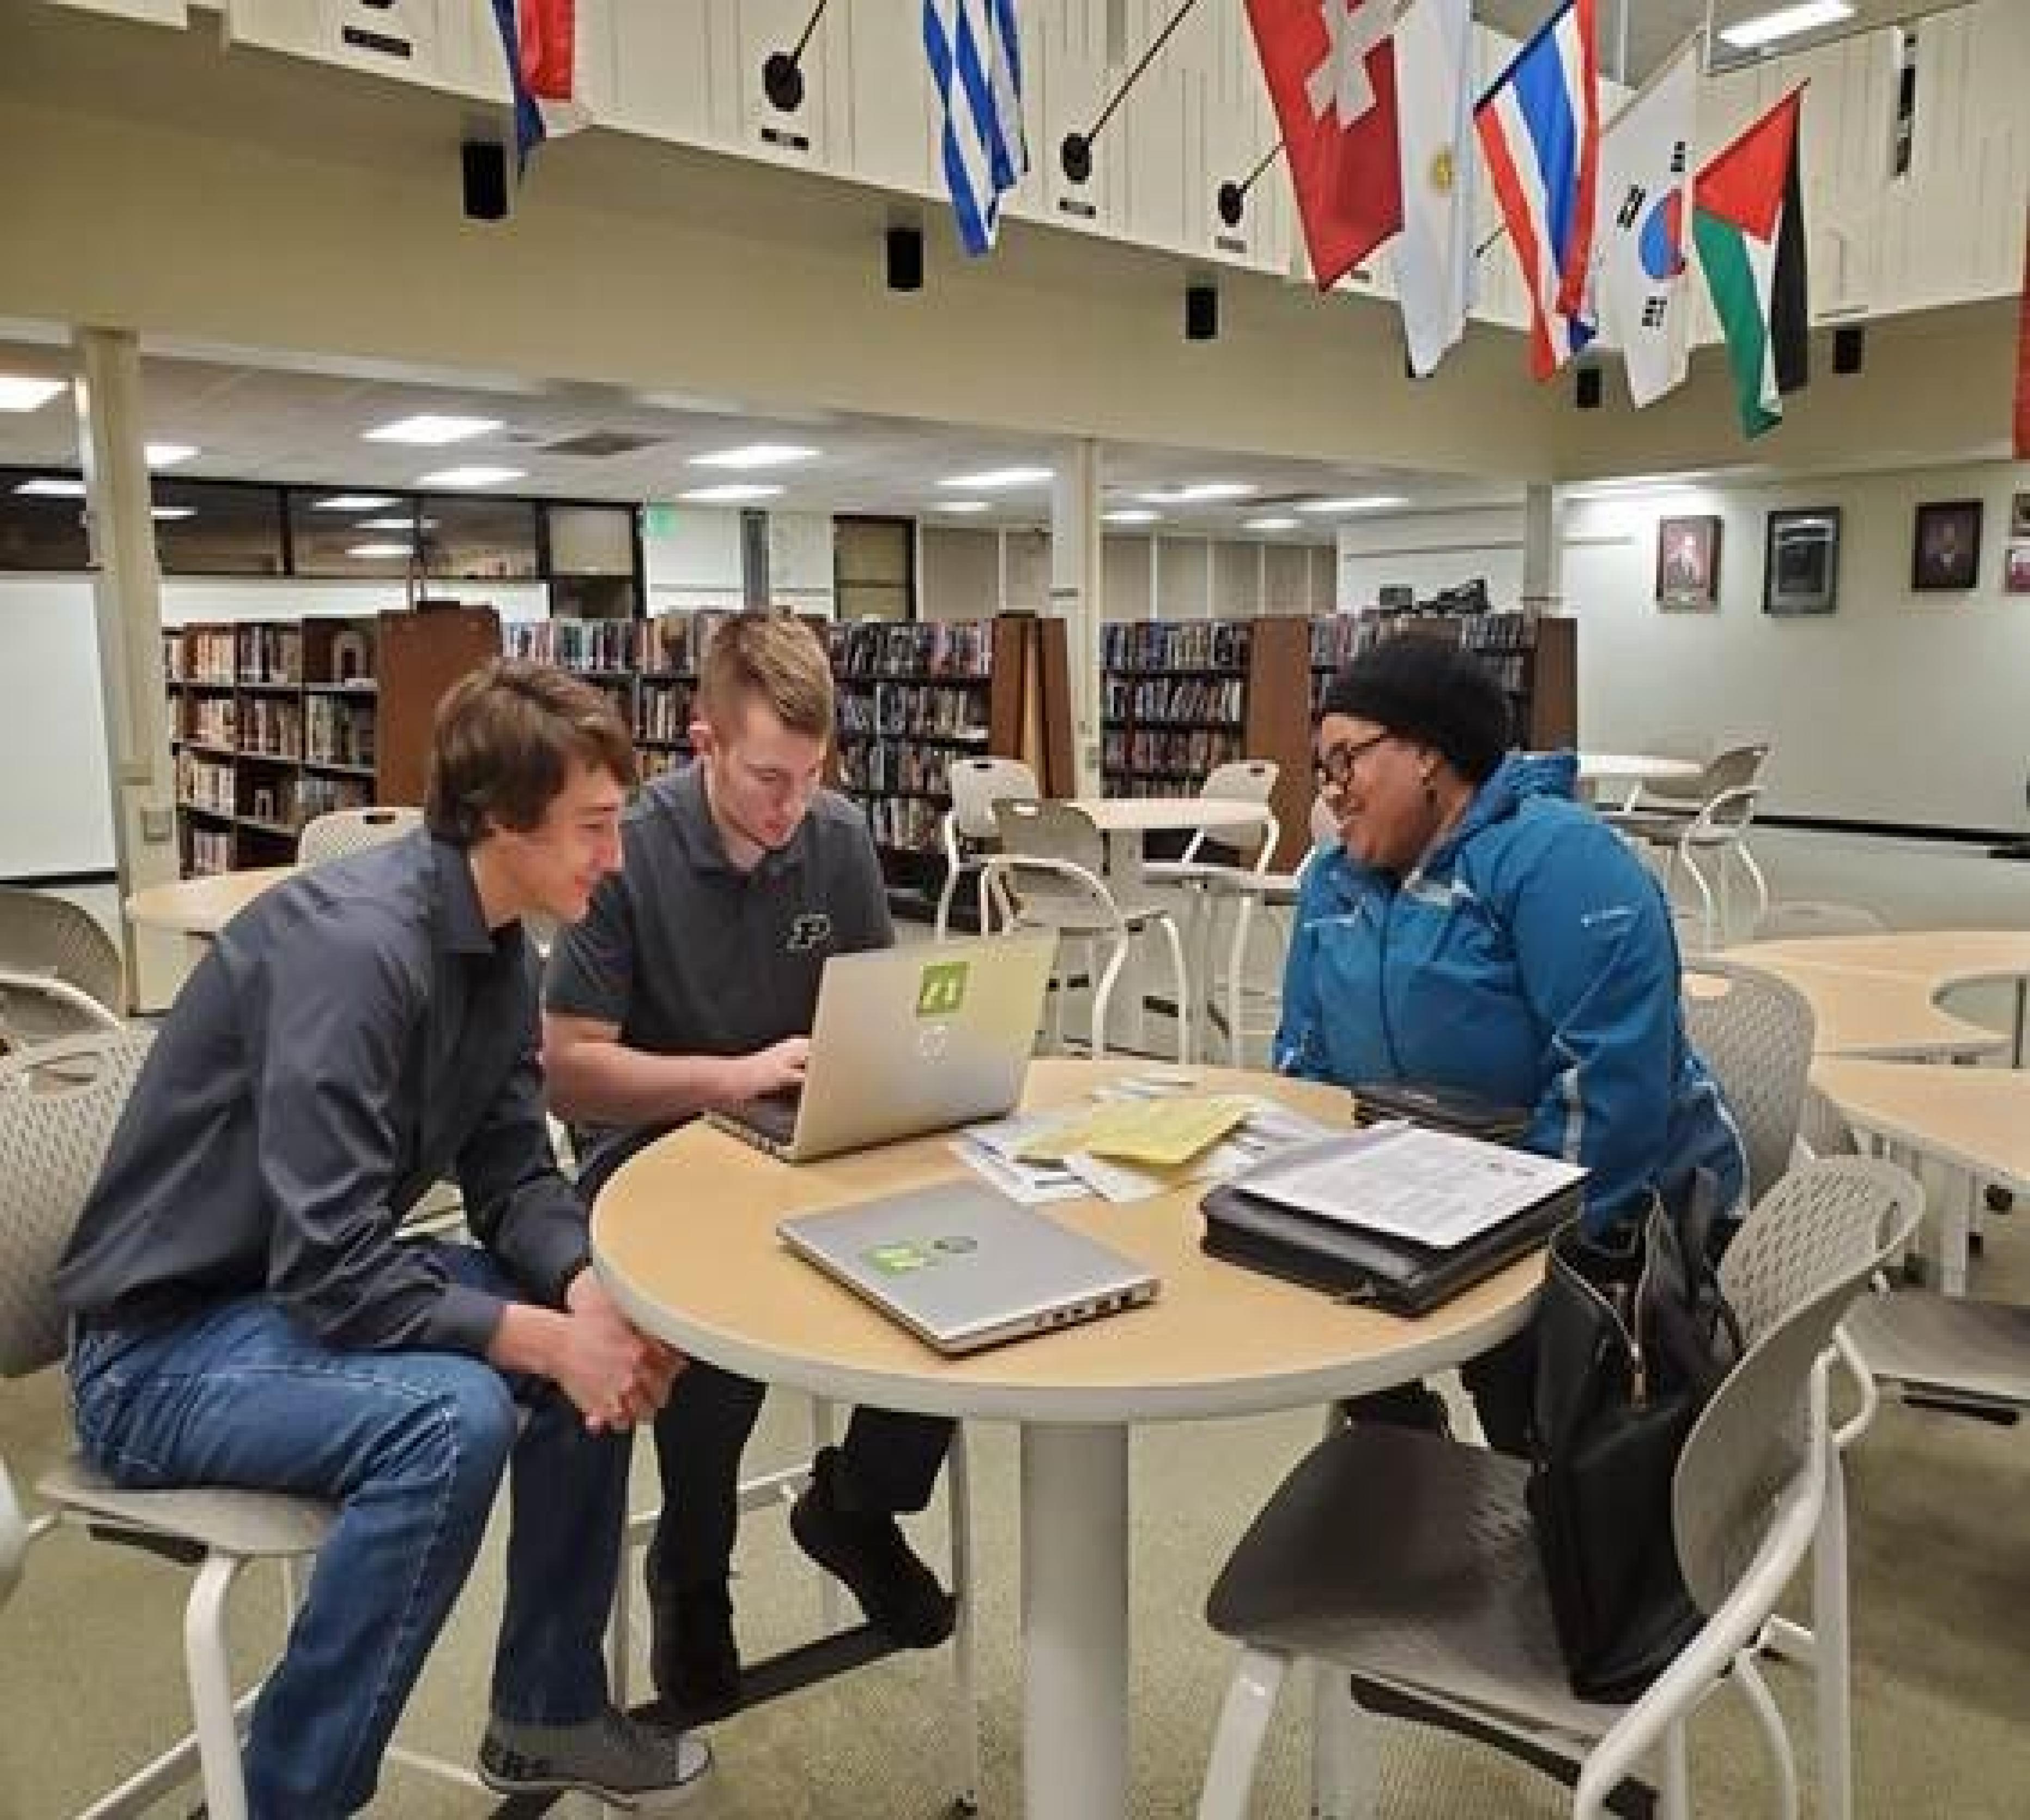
(1331, 66)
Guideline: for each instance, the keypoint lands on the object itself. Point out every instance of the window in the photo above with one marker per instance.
(218, 527)
(44, 528)
(874, 569)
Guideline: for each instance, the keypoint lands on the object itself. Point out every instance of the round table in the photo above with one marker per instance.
(201, 907)
(685, 1237)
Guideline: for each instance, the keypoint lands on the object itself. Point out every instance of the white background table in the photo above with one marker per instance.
(685, 1235)
(1630, 773)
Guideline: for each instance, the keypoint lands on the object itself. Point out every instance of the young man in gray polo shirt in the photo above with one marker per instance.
(690, 986)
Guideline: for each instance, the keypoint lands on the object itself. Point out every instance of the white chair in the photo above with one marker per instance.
(1408, 1559)
(339, 831)
(60, 972)
(1713, 819)
(58, 1105)
(1050, 874)
(968, 831)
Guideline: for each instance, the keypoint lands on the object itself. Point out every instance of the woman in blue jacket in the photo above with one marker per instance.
(1476, 929)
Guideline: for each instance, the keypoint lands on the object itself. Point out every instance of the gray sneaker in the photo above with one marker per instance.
(642, 1767)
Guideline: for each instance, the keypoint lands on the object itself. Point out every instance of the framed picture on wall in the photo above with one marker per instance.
(2015, 569)
(1801, 566)
(1688, 562)
(1946, 552)
(2018, 518)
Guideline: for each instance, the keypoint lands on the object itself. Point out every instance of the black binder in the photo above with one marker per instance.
(1397, 1274)
(1441, 1108)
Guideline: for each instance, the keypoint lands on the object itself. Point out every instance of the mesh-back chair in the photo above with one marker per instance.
(1798, 918)
(1713, 819)
(52, 940)
(58, 1106)
(1408, 1559)
(339, 831)
(1051, 874)
(1756, 1033)
(969, 831)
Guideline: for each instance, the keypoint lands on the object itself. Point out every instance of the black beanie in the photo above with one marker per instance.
(1432, 693)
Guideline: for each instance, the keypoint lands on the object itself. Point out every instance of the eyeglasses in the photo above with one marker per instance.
(1335, 767)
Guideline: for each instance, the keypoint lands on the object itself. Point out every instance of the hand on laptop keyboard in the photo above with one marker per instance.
(778, 1069)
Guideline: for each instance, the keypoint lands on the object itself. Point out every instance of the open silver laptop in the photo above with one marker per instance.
(963, 1267)
(906, 1040)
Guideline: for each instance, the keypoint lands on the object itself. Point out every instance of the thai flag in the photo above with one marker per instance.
(975, 52)
(1539, 126)
(545, 69)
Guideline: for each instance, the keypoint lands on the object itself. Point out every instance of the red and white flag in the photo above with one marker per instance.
(1331, 68)
(543, 41)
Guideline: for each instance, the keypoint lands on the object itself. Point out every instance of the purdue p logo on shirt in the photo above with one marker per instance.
(941, 989)
(811, 930)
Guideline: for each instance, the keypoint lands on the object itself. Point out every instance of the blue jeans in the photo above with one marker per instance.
(412, 1445)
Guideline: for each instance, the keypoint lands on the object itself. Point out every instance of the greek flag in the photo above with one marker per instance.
(976, 63)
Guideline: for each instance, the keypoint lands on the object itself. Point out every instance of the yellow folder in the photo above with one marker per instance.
(1160, 1134)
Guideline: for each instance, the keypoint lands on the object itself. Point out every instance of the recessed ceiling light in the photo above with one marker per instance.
(1366, 502)
(479, 476)
(960, 505)
(380, 552)
(396, 524)
(1131, 515)
(432, 430)
(352, 502)
(1785, 22)
(168, 454)
(992, 479)
(18, 393)
(171, 511)
(1270, 524)
(733, 493)
(755, 455)
(47, 486)
(1197, 491)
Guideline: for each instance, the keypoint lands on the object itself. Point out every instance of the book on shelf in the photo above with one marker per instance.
(1187, 645)
(874, 648)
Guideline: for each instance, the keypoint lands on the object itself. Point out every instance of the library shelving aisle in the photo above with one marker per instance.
(649, 668)
(274, 721)
(916, 696)
(1178, 697)
(1535, 656)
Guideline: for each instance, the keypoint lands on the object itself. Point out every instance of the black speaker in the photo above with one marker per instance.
(906, 259)
(1849, 349)
(1585, 388)
(1201, 313)
(483, 167)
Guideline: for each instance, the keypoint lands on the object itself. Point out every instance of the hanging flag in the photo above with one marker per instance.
(1331, 70)
(1433, 256)
(1539, 126)
(1749, 221)
(545, 69)
(1646, 179)
(976, 57)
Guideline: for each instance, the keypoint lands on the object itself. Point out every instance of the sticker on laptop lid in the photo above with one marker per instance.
(941, 988)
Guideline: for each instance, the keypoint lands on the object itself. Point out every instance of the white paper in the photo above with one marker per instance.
(1269, 1130)
(989, 1151)
(1434, 1187)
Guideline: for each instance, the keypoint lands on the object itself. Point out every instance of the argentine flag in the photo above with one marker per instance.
(976, 64)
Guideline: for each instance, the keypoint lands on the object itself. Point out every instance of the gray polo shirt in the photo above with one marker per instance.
(690, 956)
(354, 1034)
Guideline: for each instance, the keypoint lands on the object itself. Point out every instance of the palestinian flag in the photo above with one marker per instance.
(1748, 220)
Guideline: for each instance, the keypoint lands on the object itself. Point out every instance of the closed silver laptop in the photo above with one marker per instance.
(907, 1040)
(962, 1267)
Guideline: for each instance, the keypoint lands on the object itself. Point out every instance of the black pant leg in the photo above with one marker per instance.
(700, 1436)
(892, 1460)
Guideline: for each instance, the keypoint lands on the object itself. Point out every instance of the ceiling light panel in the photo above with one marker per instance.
(49, 486)
(1131, 515)
(1785, 22)
(432, 430)
(961, 506)
(756, 455)
(994, 479)
(478, 475)
(20, 393)
(733, 493)
(161, 455)
(1366, 502)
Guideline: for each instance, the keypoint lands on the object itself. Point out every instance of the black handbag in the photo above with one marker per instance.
(1632, 1337)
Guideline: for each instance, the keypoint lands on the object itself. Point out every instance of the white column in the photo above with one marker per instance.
(127, 600)
(1543, 546)
(1075, 595)
(1075, 1622)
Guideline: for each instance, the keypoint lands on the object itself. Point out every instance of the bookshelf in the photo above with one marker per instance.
(274, 721)
(1178, 697)
(915, 695)
(649, 668)
(1535, 658)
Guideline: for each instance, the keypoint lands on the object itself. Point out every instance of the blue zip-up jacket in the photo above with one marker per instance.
(1529, 960)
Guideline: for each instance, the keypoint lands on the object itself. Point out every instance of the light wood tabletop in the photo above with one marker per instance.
(685, 1235)
(1171, 814)
(1944, 957)
(202, 907)
(1884, 1016)
(1641, 768)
